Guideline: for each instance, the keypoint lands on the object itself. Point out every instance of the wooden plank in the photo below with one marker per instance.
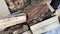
(36, 11)
(45, 26)
(12, 21)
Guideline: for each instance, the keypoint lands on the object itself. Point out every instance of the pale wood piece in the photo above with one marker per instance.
(45, 26)
(7, 22)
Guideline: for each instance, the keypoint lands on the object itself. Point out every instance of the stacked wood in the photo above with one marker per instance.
(38, 15)
(14, 24)
(15, 5)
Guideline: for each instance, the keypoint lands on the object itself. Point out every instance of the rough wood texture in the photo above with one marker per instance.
(45, 26)
(12, 21)
(36, 11)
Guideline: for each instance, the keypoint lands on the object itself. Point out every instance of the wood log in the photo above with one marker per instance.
(36, 11)
(45, 26)
(7, 22)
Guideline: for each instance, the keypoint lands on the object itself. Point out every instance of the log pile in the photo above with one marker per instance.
(15, 5)
(36, 18)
